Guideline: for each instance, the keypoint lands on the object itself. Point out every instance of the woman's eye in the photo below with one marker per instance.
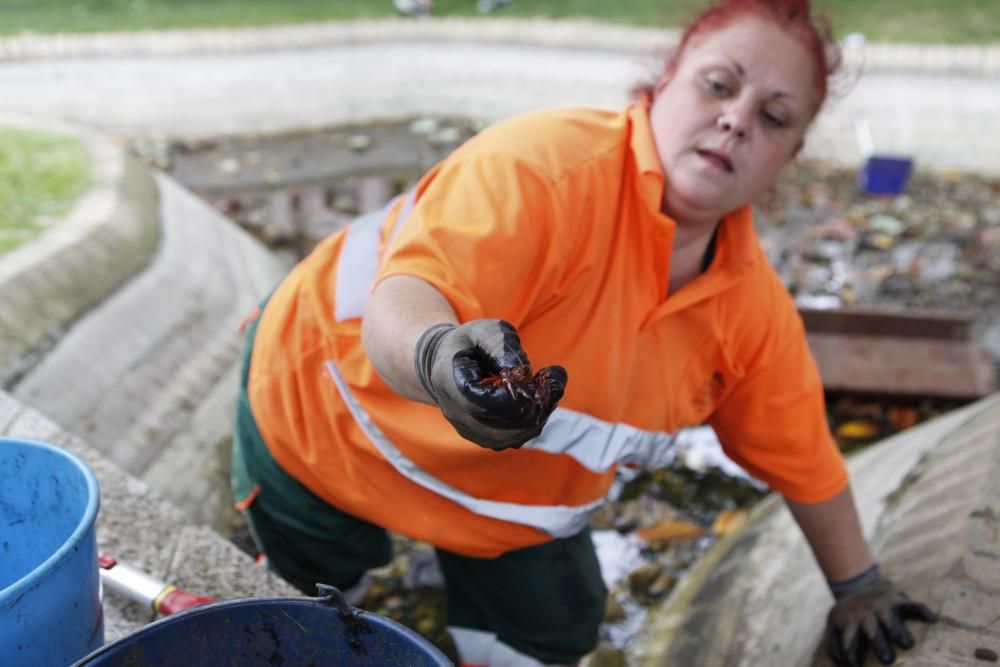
(772, 120)
(717, 88)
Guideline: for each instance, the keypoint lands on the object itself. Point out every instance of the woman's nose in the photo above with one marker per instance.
(732, 121)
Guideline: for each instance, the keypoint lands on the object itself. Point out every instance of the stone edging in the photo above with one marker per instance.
(136, 524)
(567, 34)
(52, 280)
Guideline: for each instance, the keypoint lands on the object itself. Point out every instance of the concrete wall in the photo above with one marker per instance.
(120, 324)
(929, 500)
(111, 233)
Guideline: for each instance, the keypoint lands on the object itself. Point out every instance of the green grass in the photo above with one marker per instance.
(41, 176)
(955, 21)
(921, 21)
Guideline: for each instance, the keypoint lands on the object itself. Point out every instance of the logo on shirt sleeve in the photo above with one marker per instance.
(707, 395)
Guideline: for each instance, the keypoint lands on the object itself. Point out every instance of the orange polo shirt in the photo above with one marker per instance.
(551, 221)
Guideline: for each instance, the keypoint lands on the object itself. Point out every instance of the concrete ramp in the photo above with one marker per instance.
(930, 505)
(149, 375)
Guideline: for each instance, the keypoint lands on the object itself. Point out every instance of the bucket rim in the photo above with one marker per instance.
(203, 609)
(83, 526)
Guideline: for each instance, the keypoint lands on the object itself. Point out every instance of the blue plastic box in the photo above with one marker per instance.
(885, 176)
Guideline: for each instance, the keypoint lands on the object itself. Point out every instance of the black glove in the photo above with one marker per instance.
(480, 377)
(870, 612)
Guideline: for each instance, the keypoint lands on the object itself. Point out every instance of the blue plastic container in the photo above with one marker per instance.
(50, 606)
(885, 176)
(271, 631)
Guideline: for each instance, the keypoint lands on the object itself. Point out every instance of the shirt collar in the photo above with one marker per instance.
(737, 244)
(642, 146)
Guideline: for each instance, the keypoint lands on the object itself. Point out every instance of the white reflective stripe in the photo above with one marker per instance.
(359, 259)
(598, 445)
(504, 655)
(357, 266)
(404, 214)
(473, 646)
(478, 647)
(556, 520)
(356, 595)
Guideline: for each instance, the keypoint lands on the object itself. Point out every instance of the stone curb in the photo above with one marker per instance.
(141, 528)
(981, 60)
(52, 280)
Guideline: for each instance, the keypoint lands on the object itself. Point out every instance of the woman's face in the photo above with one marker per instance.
(731, 115)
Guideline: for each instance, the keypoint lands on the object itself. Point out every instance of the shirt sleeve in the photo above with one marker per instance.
(774, 422)
(482, 233)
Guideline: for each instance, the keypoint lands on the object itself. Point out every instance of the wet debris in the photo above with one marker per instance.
(730, 521)
(614, 611)
(155, 151)
(292, 190)
(228, 165)
(359, 143)
(933, 247)
(857, 421)
(670, 530)
(604, 655)
(424, 126)
(446, 136)
(985, 654)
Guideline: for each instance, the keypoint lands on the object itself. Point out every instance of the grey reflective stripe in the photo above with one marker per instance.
(404, 214)
(556, 520)
(479, 647)
(597, 445)
(359, 260)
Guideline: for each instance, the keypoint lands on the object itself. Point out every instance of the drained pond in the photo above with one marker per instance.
(937, 246)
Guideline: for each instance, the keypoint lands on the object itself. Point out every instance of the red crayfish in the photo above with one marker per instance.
(521, 384)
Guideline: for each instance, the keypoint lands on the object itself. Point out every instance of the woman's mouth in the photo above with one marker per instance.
(718, 160)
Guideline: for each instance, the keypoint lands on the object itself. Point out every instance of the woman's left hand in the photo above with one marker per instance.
(871, 613)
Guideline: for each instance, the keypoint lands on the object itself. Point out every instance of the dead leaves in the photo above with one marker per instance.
(725, 523)
(670, 530)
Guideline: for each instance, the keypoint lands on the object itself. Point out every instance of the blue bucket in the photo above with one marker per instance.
(50, 606)
(271, 631)
(885, 176)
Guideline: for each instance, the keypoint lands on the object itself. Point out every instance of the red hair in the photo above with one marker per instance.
(792, 15)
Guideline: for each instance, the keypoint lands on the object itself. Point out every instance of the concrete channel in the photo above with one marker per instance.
(136, 372)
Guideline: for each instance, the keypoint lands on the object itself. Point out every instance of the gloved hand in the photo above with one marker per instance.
(480, 377)
(870, 612)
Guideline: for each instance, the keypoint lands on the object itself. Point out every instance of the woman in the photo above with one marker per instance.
(389, 384)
